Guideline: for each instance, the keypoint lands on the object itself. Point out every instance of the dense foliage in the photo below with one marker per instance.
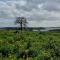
(26, 45)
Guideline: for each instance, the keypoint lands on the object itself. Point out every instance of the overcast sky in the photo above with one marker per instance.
(39, 13)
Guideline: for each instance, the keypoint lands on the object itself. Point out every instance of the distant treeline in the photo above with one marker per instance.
(58, 30)
(28, 28)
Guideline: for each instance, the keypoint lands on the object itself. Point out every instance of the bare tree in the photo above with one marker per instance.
(22, 21)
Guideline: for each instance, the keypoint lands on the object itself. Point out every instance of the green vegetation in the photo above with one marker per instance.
(27, 45)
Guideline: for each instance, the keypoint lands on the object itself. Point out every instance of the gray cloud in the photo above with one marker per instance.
(37, 10)
(51, 6)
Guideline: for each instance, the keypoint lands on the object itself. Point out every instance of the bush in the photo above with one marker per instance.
(5, 52)
(32, 53)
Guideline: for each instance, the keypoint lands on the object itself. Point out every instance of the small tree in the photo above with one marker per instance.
(22, 21)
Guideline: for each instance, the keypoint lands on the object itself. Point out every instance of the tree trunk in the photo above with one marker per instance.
(21, 26)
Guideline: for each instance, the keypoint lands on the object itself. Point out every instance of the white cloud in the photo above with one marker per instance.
(40, 6)
(22, 3)
(53, 23)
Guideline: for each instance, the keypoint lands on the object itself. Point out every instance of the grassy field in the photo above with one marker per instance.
(27, 45)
